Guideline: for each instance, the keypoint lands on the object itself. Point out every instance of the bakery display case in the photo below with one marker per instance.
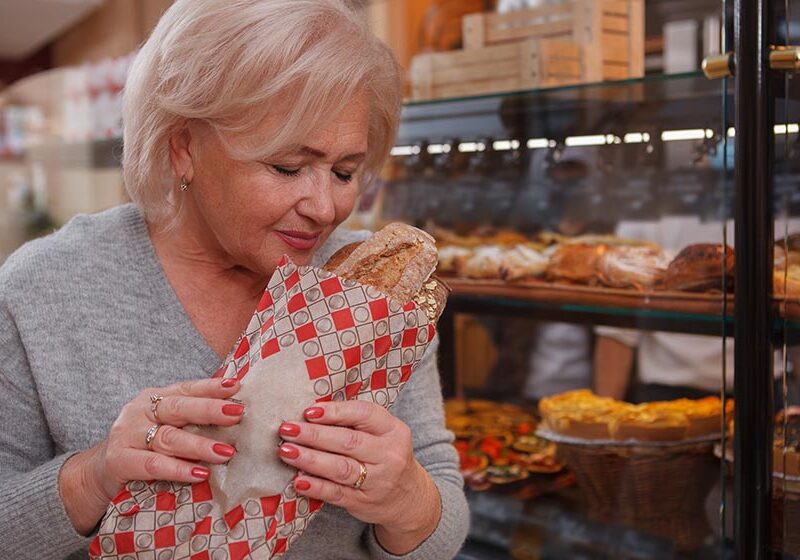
(595, 209)
(606, 245)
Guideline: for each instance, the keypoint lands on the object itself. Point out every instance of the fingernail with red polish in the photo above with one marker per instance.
(228, 382)
(314, 412)
(302, 485)
(290, 430)
(223, 450)
(232, 409)
(200, 472)
(289, 452)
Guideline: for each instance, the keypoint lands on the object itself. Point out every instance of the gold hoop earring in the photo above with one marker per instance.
(184, 183)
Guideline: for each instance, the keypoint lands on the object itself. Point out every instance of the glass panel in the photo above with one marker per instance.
(560, 213)
(786, 443)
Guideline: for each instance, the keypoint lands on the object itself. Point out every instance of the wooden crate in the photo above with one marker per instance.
(497, 68)
(610, 32)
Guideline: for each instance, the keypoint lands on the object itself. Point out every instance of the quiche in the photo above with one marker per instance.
(582, 414)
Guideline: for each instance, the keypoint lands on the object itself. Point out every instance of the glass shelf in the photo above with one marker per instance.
(618, 107)
(685, 320)
(574, 88)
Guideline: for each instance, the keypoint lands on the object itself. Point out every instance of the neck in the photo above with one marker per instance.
(190, 262)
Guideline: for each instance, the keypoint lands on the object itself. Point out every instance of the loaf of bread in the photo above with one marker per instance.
(399, 261)
(698, 268)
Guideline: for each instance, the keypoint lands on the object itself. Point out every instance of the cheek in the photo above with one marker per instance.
(266, 202)
(344, 203)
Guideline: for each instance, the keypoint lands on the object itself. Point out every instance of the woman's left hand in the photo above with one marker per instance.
(398, 495)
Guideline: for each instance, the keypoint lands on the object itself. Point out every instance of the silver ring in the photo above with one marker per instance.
(155, 400)
(362, 476)
(151, 435)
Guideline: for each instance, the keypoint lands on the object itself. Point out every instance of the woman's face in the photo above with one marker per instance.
(250, 213)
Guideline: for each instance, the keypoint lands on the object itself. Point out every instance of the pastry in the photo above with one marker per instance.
(496, 443)
(522, 262)
(585, 415)
(786, 444)
(698, 268)
(452, 259)
(641, 268)
(580, 414)
(650, 424)
(484, 263)
(786, 281)
(575, 263)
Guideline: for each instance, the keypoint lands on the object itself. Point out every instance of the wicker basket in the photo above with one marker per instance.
(786, 514)
(658, 489)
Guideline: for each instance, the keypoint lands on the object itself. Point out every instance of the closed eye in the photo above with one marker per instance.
(286, 171)
(343, 177)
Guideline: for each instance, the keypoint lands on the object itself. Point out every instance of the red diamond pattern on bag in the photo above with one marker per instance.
(357, 344)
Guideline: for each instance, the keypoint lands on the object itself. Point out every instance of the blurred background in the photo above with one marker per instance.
(63, 65)
(575, 165)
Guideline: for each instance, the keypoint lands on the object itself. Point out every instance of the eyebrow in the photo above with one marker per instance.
(319, 154)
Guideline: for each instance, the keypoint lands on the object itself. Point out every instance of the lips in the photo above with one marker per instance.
(299, 240)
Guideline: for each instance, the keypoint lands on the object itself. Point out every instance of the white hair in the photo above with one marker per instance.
(227, 63)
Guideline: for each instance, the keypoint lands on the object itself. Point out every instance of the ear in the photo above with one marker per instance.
(180, 148)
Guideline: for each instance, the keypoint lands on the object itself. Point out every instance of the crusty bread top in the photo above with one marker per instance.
(398, 260)
(340, 256)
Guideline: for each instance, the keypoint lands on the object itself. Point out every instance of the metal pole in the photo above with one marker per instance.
(753, 311)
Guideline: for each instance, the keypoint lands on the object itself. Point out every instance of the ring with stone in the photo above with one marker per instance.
(155, 400)
(151, 435)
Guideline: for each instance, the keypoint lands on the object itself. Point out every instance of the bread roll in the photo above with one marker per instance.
(641, 268)
(698, 268)
(575, 263)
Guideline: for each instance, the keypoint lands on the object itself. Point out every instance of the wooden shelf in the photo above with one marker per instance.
(672, 311)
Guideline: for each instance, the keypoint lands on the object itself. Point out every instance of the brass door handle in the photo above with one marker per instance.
(786, 58)
(718, 66)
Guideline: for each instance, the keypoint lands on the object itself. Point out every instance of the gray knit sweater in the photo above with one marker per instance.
(87, 320)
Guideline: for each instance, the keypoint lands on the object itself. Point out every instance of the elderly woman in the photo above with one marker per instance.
(250, 128)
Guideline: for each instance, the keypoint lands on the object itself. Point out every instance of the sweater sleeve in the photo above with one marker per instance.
(33, 521)
(420, 407)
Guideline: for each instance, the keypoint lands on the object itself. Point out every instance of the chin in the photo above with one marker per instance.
(300, 258)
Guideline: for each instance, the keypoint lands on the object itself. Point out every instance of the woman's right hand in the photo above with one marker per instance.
(123, 456)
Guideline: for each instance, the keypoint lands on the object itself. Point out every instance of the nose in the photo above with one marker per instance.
(318, 203)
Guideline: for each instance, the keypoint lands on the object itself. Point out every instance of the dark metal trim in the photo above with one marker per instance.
(755, 140)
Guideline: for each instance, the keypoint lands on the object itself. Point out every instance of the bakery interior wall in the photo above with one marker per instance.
(58, 174)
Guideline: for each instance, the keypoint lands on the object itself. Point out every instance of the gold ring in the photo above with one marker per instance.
(151, 435)
(362, 476)
(155, 400)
